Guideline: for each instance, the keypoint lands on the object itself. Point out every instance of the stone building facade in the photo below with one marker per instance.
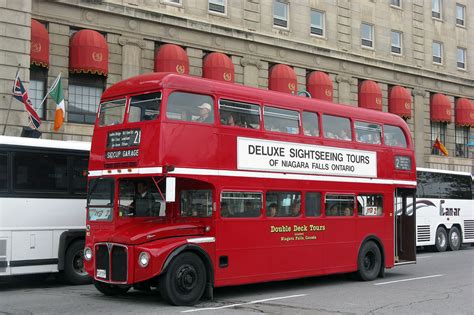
(426, 49)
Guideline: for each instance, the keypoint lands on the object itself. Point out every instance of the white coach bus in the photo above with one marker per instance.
(444, 209)
(42, 207)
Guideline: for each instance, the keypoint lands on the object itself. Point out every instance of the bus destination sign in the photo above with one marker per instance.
(287, 157)
(124, 138)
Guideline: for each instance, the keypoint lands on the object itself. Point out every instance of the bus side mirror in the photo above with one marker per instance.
(170, 189)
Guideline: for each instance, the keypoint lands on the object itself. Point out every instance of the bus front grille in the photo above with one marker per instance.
(111, 263)
(119, 264)
(468, 229)
(423, 233)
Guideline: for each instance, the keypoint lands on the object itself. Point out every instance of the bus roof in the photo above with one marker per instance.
(45, 143)
(421, 169)
(153, 81)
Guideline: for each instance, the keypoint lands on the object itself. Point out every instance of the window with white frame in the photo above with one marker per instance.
(217, 6)
(175, 2)
(462, 139)
(280, 13)
(367, 35)
(460, 14)
(437, 52)
(84, 97)
(436, 8)
(317, 22)
(461, 58)
(396, 3)
(396, 42)
(37, 89)
(438, 130)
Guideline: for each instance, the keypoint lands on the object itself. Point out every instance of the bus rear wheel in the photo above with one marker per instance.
(454, 238)
(111, 289)
(184, 282)
(441, 239)
(369, 261)
(74, 272)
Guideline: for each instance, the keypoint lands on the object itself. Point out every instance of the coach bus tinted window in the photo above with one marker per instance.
(241, 204)
(139, 197)
(237, 114)
(100, 199)
(196, 203)
(442, 186)
(339, 205)
(310, 124)
(313, 204)
(79, 174)
(112, 113)
(144, 107)
(394, 136)
(283, 204)
(369, 205)
(47, 172)
(337, 128)
(190, 107)
(281, 120)
(368, 132)
(3, 172)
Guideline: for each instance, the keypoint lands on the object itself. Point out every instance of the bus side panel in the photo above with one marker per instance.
(5, 252)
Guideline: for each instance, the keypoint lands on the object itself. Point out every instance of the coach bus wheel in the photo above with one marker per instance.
(74, 271)
(111, 289)
(184, 281)
(454, 238)
(441, 240)
(369, 261)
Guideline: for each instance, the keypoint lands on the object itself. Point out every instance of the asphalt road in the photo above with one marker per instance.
(440, 283)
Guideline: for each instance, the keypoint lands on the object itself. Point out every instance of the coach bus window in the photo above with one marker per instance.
(196, 203)
(394, 136)
(139, 197)
(190, 107)
(370, 205)
(241, 204)
(310, 124)
(79, 174)
(144, 107)
(3, 172)
(100, 199)
(47, 172)
(313, 204)
(112, 113)
(281, 120)
(368, 132)
(288, 204)
(238, 114)
(337, 128)
(339, 205)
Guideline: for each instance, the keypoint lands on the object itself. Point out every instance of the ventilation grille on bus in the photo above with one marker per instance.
(3, 255)
(423, 233)
(468, 229)
(121, 165)
(112, 262)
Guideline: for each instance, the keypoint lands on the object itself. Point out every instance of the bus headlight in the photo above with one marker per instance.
(87, 253)
(143, 259)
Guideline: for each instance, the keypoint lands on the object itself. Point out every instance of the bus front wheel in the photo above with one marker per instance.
(184, 282)
(454, 238)
(441, 240)
(74, 272)
(111, 289)
(369, 261)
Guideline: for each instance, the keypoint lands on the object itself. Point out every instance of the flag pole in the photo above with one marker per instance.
(11, 100)
(50, 89)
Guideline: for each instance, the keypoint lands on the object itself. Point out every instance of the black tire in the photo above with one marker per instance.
(441, 239)
(454, 238)
(369, 261)
(74, 272)
(184, 282)
(111, 289)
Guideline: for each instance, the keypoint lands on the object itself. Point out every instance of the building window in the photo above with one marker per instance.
(317, 23)
(396, 3)
(460, 14)
(461, 59)
(280, 13)
(462, 139)
(174, 2)
(84, 97)
(436, 8)
(37, 90)
(437, 52)
(438, 130)
(367, 35)
(396, 42)
(217, 6)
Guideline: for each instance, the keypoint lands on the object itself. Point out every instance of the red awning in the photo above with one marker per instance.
(399, 101)
(464, 112)
(370, 95)
(440, 108)
(282, 78)
(171, 58)
(88, 53)
(218, 66)
(39, 51)
(320, 86)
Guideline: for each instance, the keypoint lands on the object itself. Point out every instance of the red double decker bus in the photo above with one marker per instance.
(196, 184)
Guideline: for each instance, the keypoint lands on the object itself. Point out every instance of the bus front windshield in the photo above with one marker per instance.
(141, 197)
(100, 199)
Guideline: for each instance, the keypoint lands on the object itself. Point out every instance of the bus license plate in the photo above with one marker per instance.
(101, 273)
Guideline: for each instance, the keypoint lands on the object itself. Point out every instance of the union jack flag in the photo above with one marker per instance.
(20, 94)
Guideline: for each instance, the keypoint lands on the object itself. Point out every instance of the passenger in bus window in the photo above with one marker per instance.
(225, 211)
(333, 210)
(343, 135)
(347, 211)
(272, 210)
(205, 113)
(144, 203)
(230, 121)
(295, 209)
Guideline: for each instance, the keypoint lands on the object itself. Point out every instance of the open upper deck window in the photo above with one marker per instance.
(112, 113)
(281, 120)
(237, 114)
(144, 107)
(337, 128)
(190, 107)
(394, 136)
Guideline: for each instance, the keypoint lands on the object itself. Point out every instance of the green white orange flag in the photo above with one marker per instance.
(56, 92)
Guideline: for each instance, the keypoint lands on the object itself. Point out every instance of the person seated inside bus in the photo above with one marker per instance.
(205, 113)
(250, 210)
(333, 210)
(144, 204)
(343, 135)
(272, 210)
(225, 211)
(295, 209)
(230, 121)
(347, 211)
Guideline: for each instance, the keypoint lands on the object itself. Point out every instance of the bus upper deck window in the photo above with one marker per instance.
(237, 114)
(394, 136)
(281, 120)
(310, 124)
(112, 113)
(368, 132)
(190, 107)
(337, 128)
(144, 107)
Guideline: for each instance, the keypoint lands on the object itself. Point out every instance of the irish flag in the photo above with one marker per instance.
(56, 92)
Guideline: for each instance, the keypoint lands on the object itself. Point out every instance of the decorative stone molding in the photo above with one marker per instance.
(89, 16)
(418, 92)
(246, 61)
(131, 41)
(219, 41)
(343, 79)
(132, 24)
(252, 47)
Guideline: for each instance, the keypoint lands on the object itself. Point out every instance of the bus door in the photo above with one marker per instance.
(405, 224)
